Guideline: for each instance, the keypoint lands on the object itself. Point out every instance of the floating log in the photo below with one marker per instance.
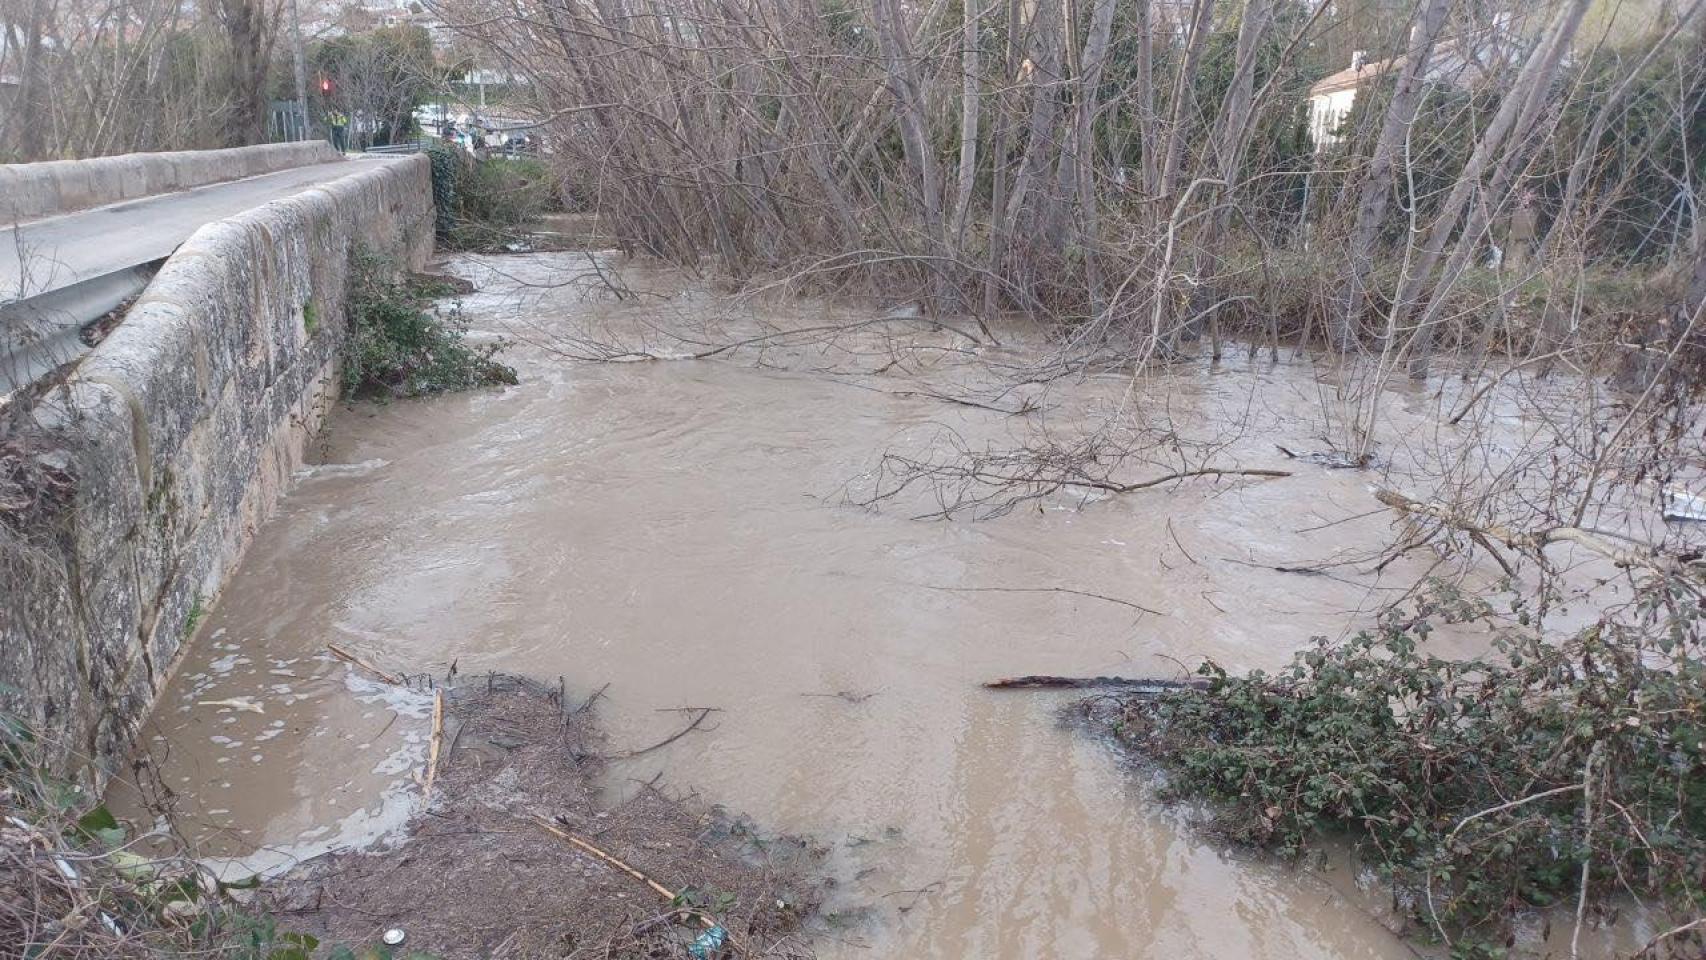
(351, 658)
(1149, 685)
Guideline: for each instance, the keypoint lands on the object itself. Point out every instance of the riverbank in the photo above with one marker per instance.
(511, 850)
(517, 853)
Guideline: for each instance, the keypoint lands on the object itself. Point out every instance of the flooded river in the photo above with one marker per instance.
(687, 532)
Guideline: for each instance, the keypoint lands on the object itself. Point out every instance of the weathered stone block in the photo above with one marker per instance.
(94, 427)
(112, 609)
(72, 188)
(151, 360)
(114, 731)
(41, 641)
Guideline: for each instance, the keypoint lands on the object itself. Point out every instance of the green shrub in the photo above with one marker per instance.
(508, 191)
(1481, 786)
(449, 169)
(483, 204)
(401, 344)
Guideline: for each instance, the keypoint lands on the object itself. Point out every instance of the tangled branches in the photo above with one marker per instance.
(1620, 550)
(989, 483)
(1136, 173)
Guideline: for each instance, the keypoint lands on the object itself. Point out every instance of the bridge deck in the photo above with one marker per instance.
(46, 255)
(60, 273)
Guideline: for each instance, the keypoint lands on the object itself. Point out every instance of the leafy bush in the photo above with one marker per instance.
(449, 169)
(483, 203)
(1550, 772)
(507, 191)
(401, 344)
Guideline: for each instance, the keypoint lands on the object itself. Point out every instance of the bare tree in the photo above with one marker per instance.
(1124, 173)
(1376, 186)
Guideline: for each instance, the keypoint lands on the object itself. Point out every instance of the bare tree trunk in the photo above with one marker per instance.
(1180, 121)
(248, 36)
(998, 155)
(902, 79)
(1376, 184)
(1147, 121)
(1179, 117)
(1230, 144)
(968, 121)
(1694, 300)
(1519, 110)
(1088, 104)
(1044, 116)
(299, 73)
(28, 128)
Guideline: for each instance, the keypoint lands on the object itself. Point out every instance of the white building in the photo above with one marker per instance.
(1461, 61)
(1333, 96)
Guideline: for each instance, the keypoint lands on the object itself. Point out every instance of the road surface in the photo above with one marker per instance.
(47, 255)
(60, 273)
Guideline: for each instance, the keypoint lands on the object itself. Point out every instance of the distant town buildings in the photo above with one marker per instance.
(360, 16)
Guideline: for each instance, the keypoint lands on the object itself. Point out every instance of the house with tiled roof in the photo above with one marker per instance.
(1462, 62)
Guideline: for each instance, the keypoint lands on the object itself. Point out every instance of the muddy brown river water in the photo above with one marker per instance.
(681, 531)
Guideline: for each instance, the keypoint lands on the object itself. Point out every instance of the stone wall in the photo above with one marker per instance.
(30, 191)
(151, 466)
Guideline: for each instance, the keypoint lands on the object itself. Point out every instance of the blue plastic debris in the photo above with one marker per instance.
(708, 943)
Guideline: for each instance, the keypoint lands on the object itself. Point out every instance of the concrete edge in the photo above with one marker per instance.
(32, 191)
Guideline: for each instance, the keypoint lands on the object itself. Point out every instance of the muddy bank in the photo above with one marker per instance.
(486, 868)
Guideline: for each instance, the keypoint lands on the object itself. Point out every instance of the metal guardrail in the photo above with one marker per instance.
(42, 333)
(409, 146)
(416, 146)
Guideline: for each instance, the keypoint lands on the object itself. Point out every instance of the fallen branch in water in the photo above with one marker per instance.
(1025, 408)
(1331, 460)
(1111, 487)
(1651, 949)
(988, 483)
(437, 740)
(590, 701)
(1064, 590)
(1622, 551)
(684, 731)
(846, 695)
(351, 658)
(1136, 685)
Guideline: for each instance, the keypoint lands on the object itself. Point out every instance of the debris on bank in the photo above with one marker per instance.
(516, 854)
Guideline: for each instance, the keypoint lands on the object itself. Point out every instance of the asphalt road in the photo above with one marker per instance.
(46, 255)
(62, 272)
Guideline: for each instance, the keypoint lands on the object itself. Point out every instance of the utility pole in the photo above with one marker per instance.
(301, 68)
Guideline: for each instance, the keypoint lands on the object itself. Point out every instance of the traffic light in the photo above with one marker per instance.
(325, 85)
